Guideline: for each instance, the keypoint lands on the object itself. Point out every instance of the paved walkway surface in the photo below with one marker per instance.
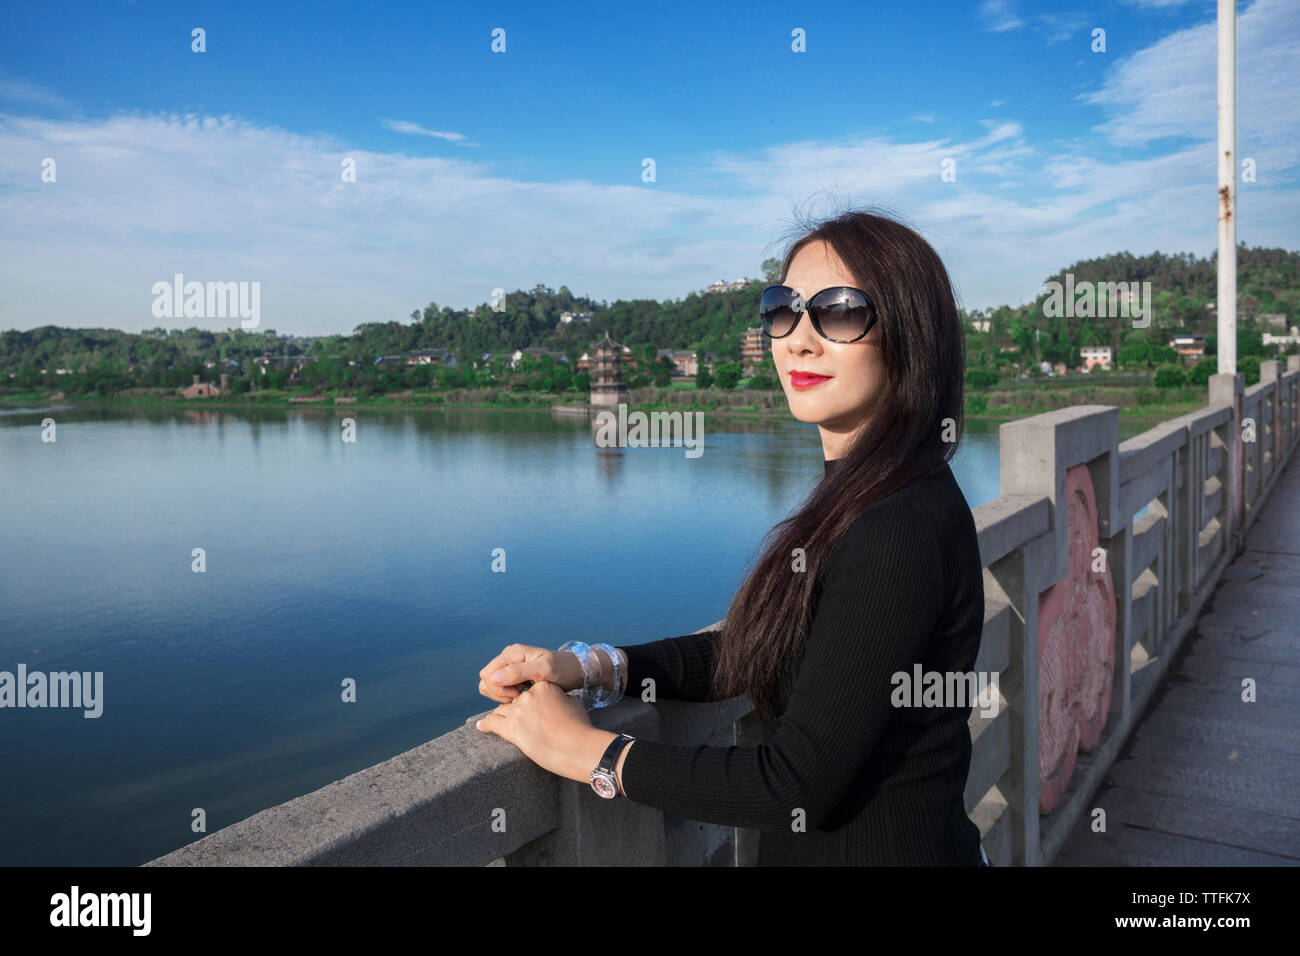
(1207, 779)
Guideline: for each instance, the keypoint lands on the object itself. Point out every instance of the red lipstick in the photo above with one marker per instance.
(802, 380)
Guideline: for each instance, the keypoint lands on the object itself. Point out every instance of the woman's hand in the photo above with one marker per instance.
(507, 675)
(552, 730)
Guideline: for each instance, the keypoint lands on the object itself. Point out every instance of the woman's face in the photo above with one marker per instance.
(839, 404)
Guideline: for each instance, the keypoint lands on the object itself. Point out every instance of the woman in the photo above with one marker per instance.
(878, 571)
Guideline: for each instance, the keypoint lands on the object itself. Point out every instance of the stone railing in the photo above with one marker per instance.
(1085, 606)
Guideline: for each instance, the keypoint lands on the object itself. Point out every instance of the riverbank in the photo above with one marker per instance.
(771, 405)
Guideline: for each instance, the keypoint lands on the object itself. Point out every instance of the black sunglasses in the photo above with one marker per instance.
(839, 314)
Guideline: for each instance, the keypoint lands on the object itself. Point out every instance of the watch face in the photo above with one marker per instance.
(603, 785)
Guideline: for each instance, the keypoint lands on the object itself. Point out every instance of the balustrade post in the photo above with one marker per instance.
(1037, 457)
(1226, 389)
(1268, 374)
(593, 831)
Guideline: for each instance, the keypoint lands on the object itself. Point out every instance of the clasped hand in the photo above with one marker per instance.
(535, 712)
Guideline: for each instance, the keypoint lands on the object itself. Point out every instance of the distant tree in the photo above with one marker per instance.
(1163, 355)
(557, 378)
(1249, 342)
(728, 375)
(703, 378)
(764, 381)
(771, 271)
(1023, 335)
(420, 376)
(1200, 373)
(661, 372)
(448, 378)
(327, 372)
(1134, 354)
(1057, 354)
(1170, 376)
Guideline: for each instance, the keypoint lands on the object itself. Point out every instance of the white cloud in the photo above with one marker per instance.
(999, 16)
(1170, 89)
(139, 198)
(1156, 4)
(402, 126)
(31, 94)
(1058, 28)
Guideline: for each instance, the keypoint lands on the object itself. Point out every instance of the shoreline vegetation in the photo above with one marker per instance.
(535, 349)
(1013, 401)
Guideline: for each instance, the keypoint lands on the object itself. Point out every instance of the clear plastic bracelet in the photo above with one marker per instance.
(590, 669)
(608, 698)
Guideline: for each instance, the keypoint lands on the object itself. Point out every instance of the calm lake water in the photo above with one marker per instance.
(325, 561)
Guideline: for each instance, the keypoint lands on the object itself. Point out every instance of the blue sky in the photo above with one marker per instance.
(477, 170)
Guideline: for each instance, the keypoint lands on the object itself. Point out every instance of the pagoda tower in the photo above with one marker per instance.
(607, 386)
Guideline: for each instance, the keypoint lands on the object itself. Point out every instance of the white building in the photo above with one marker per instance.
(1292, 339)
(535, 352)
(1092, 355)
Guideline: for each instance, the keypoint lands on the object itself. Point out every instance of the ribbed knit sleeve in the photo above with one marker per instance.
(681, 667)
(882, 596)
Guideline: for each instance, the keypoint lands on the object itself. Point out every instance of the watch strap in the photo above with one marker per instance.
(615, 747)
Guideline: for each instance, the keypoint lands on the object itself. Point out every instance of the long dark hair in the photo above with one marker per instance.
(910, 433)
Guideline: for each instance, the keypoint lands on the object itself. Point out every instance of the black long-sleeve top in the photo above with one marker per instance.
(877, 784)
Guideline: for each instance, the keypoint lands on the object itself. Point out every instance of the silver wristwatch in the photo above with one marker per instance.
(602, 778)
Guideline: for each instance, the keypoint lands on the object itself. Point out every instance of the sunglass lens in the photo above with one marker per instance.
(846, 318)
(775, 312)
